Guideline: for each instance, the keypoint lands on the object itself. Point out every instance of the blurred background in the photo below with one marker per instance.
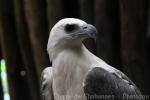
(123, 40)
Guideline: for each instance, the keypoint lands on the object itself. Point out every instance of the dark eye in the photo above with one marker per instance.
(70, 27)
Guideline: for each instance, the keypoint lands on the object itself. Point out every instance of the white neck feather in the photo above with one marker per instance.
(70, 56)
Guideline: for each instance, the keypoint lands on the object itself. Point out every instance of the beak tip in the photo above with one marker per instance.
(91, 31)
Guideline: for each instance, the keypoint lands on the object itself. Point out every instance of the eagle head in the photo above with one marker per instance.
(68, 33)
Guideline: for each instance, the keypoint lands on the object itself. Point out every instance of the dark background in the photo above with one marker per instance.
(123, 40)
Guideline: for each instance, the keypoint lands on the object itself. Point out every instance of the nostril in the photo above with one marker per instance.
(85, 27)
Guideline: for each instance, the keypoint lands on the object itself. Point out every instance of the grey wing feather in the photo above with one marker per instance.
(101, 84)
(46, 84)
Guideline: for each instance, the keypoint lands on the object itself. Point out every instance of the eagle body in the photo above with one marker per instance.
(76, 64)
(76, 73)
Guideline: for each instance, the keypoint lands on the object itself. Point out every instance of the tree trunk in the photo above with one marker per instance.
(26, 51)
(87, 12)
(71, 8)
(133, 36)
(107, 23)
(55, 12)
(18, 86)
(35, 11)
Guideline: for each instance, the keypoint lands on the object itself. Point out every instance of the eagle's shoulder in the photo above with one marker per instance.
(46, 84)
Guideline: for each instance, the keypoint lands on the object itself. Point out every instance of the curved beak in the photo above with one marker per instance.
(89, 31)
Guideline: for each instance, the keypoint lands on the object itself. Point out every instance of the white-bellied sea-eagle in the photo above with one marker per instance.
(76, 73)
